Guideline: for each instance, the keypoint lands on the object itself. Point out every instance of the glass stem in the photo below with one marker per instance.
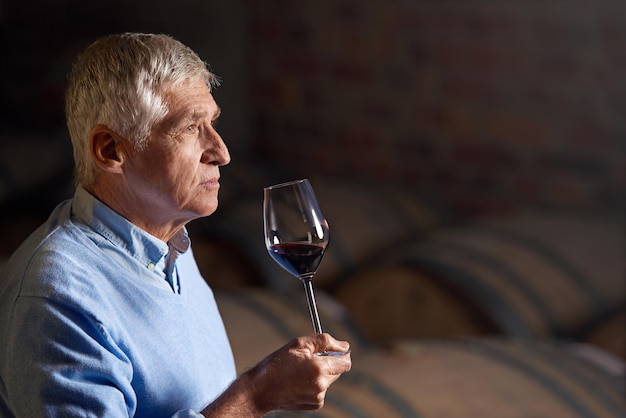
(310, 297)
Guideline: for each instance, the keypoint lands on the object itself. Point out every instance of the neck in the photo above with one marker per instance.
(138, 212)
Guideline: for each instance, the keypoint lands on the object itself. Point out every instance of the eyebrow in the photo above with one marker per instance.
(199, 114)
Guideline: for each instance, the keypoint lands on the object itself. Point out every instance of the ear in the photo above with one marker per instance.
(107, 148)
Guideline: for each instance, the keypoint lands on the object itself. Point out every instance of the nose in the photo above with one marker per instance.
(216, 151)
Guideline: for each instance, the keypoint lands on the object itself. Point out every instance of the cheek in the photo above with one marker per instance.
(170, 169)
(183, 180)
(185, 170)
(176, 165)
(159, 179)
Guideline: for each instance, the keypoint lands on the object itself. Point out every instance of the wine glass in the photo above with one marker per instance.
(296, 236)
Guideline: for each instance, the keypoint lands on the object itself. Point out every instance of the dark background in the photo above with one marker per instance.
(413, 118)
(488, 107)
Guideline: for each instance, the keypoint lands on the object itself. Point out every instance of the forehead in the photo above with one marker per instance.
(190, 99)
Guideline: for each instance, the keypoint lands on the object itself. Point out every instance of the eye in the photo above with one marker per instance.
(191, 128)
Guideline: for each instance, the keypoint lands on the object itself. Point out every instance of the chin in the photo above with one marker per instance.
(203, 204)
(207, 210)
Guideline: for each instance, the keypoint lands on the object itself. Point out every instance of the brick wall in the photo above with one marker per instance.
(494, 105)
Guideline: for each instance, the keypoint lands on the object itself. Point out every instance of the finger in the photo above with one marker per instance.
(328, 343)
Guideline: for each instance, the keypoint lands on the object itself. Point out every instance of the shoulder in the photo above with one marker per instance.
(49, 261)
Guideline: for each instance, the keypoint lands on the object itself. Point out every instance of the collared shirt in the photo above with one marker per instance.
(91, 324)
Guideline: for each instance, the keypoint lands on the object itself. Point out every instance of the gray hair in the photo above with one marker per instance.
(120, 81)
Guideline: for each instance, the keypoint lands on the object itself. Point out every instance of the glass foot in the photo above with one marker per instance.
(333, 353)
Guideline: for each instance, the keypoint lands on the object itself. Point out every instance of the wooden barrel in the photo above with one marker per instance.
(535, 274)
(364, 219)
(391, 302)
(259, 321)
(609, 334)
(487, 378)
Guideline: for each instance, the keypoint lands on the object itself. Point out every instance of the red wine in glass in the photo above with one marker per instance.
(299, 259)
(296, 236)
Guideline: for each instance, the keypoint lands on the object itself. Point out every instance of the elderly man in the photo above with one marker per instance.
(103, 311)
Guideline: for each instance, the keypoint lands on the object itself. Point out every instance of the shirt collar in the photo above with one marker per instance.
(144, 247)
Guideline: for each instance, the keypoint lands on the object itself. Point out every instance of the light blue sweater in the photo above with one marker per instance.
(90, 327)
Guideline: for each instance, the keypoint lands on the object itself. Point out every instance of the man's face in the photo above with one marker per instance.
(176, 177)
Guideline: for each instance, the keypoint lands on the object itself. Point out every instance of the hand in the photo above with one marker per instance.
(294, 377)
(291, 378)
